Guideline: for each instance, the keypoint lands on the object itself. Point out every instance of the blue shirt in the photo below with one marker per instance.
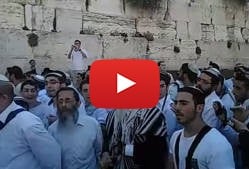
(26, 144)
(99, 114)
(41, 111)
(81, 143)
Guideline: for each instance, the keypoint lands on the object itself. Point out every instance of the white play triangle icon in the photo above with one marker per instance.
(123, 83)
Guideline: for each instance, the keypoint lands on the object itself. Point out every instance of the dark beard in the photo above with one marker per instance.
(206, 92)
(70, 118)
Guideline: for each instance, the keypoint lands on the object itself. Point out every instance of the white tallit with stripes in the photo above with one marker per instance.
(135, 124)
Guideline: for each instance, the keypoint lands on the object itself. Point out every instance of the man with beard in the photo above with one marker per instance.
(187, 77)
(208, 82)
(79, 135)
(191, 145)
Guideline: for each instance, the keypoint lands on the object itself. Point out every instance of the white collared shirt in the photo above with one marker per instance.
(169, 115)
(208, 114)
(26, 144)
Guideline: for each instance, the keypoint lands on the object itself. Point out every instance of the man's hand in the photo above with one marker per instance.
(106, 161)
(238, 125)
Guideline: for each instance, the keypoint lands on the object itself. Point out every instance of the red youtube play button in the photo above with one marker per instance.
(124, 83)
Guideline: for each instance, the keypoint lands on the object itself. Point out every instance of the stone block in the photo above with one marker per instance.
(230, 16)
(115, 47)
(240, 20)
(221, 33)
(14, 49)
(207, 32)
(111, 7)
(39, 17)
(245, 33)
(194, 30)
(219, 16)
(107, 24)
(178, 10)
(159, 28)
(78, 5)
(195, 11)
(238, 34)
(23, 2)
(206, 13)
(182, 30)
(11, 15)
(69, 20)
(43, 18)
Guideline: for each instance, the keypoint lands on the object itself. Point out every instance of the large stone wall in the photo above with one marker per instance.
(115, 28)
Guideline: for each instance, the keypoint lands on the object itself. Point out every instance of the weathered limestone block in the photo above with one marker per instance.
(43, 18)
(159, 28)
(69, 20)
(115, 47)
(219, 15)
(24, 2)
(14, 48)
(238, 35)
(217, 52)
(194, 29)
(106, 24)
(240, 20)
(188, 50)
(11, 15)
(245, 33)
(230, 32)
(78, 5)
(207, 32)
(182, 30)
(206, 12)
(142, 12)
(162, 49)
(195, 11)
(178, 10)
(221, 33)
(39, 17)
(230, 16)
(104, 6)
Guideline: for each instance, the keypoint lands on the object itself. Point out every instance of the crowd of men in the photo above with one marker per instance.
(201, 121)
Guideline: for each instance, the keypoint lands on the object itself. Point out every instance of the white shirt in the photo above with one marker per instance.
(40, 111)
(169, 115)
(26, 144)
(78, 61)
(173, 89)
(228, 101)
(208, 114)
(213, 152)
(229, 83)
(17, 89)
(81, 144)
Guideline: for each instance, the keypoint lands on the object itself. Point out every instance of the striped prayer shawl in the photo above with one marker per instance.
(128, 126)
